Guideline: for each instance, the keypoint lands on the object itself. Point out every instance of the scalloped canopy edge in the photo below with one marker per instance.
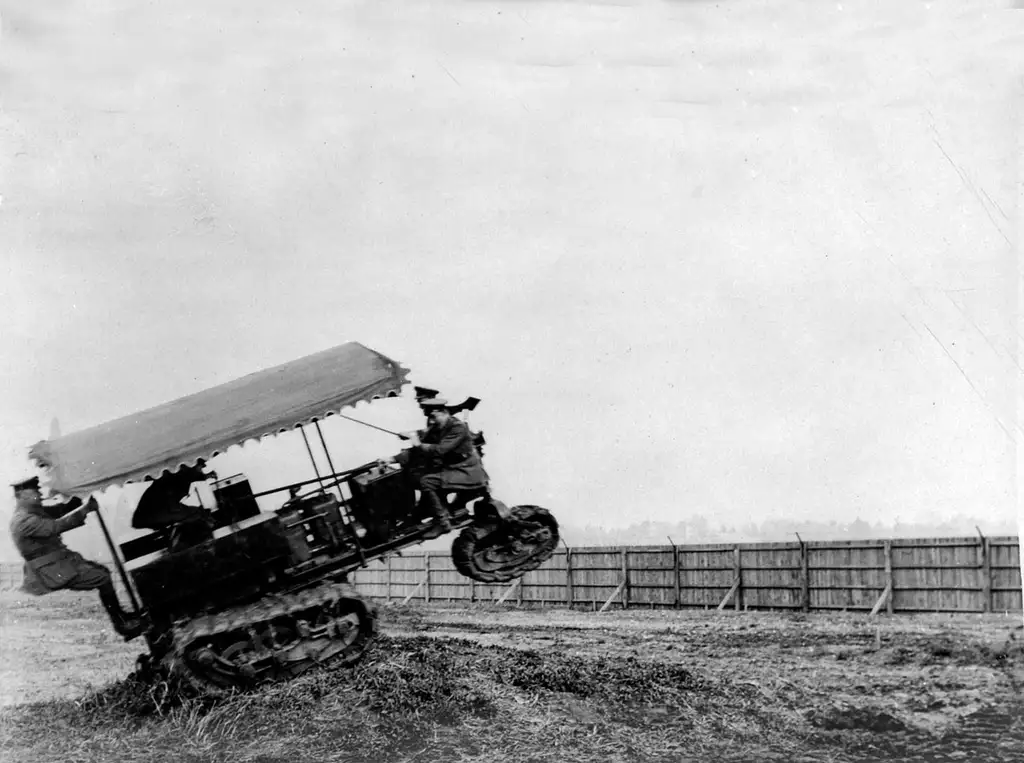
(207, 423)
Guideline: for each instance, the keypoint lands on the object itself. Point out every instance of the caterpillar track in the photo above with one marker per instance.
(504, 551)
(276, 638)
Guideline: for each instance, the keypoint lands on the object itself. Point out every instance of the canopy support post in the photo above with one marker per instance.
(330, 463)
(117, 562)
(312, 460)
(341, 495)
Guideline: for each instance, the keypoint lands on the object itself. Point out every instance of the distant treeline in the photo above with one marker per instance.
(699, 529)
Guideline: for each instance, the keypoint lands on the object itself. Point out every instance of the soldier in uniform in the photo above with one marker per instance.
(52, 566)
(161, 507)
(442, 458)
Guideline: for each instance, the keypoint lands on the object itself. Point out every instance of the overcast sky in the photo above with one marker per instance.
(740, 259)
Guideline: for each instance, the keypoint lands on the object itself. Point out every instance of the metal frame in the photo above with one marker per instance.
(312, 460)
(116, 556)
(337, 478)
(330, 463)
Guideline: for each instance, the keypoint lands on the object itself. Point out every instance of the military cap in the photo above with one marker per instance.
(29, 483)
(433, 402)
(425, 393)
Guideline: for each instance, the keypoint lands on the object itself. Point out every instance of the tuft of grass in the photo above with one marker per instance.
(613, 679)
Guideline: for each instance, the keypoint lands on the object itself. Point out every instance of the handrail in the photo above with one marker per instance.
(338, 477)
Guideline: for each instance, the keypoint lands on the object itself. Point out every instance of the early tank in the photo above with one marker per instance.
(264, 595)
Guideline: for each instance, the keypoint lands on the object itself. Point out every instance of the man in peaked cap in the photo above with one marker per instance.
(50, 565)
(442, 458)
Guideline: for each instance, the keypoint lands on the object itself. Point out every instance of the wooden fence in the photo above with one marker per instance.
(10, 576)
(906, 575)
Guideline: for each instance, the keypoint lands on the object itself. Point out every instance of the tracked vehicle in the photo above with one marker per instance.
(265, 595)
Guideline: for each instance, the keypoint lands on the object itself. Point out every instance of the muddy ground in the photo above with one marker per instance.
(817, 687)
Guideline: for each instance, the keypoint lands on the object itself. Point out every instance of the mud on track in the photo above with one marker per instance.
(634, 685)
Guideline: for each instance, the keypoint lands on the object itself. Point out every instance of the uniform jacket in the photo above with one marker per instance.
(160, 505)
(36, 532)
(453, 454)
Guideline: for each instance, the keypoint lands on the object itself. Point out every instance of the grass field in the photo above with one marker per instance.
(529, 685)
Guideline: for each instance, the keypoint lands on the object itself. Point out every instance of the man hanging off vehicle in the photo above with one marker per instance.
(50, 565)
(442, 459)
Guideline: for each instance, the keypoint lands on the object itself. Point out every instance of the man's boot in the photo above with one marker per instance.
(127, 627)
(432, 502)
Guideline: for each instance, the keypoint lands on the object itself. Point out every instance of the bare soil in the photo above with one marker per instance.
(635, 685)
(932, 670)
(58, 646)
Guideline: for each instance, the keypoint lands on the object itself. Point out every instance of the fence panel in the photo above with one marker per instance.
(706, 573)
(1004, 563)
(597, 574)
(845, 575)
(937, 575)
(547, 583)
(771, 575)
(407, 574)
(652, 573)
(447, 583)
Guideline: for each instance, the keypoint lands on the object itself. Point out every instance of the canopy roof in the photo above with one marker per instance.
(208, 422)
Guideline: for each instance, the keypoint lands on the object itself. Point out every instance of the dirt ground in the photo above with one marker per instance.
(955, 680)
(931, 670)
(58, 646)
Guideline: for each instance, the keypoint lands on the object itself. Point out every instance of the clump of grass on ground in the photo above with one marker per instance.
(432, 700)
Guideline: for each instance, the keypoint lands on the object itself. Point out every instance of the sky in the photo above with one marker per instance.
(746, 260)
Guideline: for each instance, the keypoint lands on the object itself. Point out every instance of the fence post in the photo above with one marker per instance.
(426, 577)
(675, 573)
(625, 579)
(986, 572)
(739, 577)
(889, 580)
(805, 576)
(519, 591)
(805, 564)
(568, 577)
(389, 579)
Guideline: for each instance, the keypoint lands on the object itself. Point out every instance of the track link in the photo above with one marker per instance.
(273, 639)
